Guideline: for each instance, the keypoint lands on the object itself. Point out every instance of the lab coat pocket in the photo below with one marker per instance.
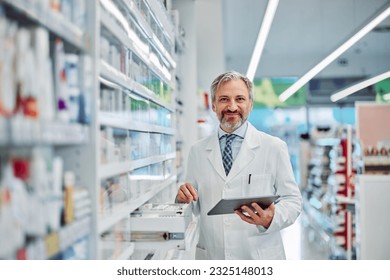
(200, 253)
(258, 185)
(268, 247)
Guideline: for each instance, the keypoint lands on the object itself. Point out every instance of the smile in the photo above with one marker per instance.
(230, 114)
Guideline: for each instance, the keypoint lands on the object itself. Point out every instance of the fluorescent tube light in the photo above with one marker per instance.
(261, 38)
(348, 91)
(336, 53)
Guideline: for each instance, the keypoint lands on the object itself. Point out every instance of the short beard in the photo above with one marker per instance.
(233, 126)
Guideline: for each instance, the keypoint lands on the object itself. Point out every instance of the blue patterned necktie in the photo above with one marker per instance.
(227, 156)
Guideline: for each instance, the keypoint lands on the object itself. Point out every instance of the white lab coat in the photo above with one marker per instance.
(264, 157)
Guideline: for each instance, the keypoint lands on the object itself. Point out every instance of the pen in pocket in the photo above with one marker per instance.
(249, 179)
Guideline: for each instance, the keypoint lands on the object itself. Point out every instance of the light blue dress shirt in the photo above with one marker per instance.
(236, 144)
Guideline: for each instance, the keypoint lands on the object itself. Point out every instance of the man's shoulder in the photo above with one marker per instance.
(205, 140)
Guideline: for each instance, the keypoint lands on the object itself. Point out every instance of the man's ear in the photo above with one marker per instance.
(213, 106)
(251, 105)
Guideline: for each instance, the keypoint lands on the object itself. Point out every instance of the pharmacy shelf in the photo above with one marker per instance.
(110, 73)
(109, 22)
(141, 21)
(34, 136)
(321, 223)
(329, 199)
(32, 133)
(122, 25)
(376, 164)
(113, 169)
(80, 144)
(123, 210)
(57, 242)
(124, 121)
(53, 21)
(163, 18)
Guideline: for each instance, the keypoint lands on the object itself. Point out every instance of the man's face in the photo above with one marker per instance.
(232, 104)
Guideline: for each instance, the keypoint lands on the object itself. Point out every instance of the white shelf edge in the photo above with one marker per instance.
(144, 198)
(326, 141)
(53, 21)
(124, 121)
(67, 236)
(45, 133)
(79, 229)
(127, 253)
(112, 169)
(118, 213)
(126, 208)
(110, 73)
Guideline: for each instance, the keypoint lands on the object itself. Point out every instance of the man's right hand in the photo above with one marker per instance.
(186, 193)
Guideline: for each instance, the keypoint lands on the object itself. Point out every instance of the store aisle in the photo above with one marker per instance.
(299, 242)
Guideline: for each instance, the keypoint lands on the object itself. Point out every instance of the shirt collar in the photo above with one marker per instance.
(239, 131)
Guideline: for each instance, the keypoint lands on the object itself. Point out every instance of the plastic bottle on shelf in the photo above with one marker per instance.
(61, 82)
(44, 78)
(11, 232)
(8, 99)
(69, 187)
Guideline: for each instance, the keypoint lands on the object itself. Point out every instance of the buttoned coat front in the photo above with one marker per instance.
(263, 157)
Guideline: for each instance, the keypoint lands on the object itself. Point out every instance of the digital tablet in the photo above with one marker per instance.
(229, 205)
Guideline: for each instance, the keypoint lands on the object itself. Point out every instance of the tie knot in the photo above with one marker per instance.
(229, 138)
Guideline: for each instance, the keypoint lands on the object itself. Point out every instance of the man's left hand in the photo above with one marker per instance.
(257, 216)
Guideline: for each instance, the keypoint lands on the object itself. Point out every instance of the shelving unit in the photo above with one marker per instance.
(330, 197)
(45, 208)
(135, 125)
(120, 151)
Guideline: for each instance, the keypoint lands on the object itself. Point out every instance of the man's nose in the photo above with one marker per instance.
(232, 106)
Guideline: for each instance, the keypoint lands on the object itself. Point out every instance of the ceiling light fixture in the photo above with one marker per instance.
(262, 37)
(336, 53)
(348, 91)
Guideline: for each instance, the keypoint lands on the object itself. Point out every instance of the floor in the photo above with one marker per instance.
(300, 243)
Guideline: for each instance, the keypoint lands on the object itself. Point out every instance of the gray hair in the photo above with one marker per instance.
(229, 76)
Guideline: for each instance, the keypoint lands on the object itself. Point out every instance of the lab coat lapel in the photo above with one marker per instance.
(215, 156)
(246, 154)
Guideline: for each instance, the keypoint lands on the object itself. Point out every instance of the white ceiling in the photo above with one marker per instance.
(302, 34)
